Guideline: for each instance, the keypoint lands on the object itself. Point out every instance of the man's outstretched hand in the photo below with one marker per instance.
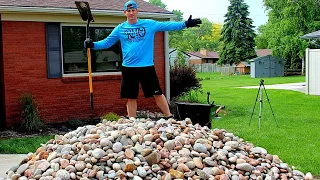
(193, 22)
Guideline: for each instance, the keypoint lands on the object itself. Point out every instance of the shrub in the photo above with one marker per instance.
(191, 96)
(31, 120)
(182, 79)
(111, 117)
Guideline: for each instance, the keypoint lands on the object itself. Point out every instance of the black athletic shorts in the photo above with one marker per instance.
(146, 76)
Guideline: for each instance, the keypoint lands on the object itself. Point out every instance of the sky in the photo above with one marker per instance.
(214, 10)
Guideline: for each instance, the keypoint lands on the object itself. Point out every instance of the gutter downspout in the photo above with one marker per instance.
(167, 65)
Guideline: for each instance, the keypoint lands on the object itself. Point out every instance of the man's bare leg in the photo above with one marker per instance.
(162, 103)
(132, 108)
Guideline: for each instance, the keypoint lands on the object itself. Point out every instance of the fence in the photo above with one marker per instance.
(292, 72)
(209, 67)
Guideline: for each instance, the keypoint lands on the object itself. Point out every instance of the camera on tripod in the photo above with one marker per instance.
(260, 92)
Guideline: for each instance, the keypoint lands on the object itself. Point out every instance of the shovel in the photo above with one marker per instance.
(85, 13)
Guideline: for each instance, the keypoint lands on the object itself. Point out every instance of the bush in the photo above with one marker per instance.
(31, 120)
(111, 117)
(182, 79)
(191, 96)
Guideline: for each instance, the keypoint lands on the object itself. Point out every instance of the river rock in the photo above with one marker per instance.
(146, 149)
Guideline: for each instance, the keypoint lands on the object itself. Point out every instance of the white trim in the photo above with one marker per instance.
(307, 71)
(166, 65)
(93, 74)
(91, 25)
(47, 10)
(61, 51)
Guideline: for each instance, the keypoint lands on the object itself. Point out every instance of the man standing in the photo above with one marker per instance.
(137, 42)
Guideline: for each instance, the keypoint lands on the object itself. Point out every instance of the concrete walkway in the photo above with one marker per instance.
(9, 160)
(301, 87)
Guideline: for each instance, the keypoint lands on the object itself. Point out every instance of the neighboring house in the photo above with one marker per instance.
(41, 53)
(203, 57)
(263, 52)
(173, 54)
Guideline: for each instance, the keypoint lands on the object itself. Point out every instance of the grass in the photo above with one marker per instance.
(295, 141)
(22, 145)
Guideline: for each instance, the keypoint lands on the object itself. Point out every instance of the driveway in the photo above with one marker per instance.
(301, 86)
(9, 160)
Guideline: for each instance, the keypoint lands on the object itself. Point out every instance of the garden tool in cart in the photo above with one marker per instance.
(85, 13)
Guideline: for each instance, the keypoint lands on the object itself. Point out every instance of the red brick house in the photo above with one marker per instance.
(41, 53)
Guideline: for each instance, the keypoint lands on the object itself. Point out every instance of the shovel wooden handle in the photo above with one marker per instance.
(90, 77)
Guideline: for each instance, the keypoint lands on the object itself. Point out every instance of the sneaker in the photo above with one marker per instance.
(166, 118)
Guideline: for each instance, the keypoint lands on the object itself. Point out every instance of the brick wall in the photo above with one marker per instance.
(61, 99)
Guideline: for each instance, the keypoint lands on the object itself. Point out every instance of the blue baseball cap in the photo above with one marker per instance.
(130, 3)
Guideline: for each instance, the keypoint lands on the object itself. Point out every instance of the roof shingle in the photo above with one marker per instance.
(263, 52)
(209, 54)
(113, 5)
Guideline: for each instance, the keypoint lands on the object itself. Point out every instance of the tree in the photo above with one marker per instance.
(192, 39)
(158, 3)
(261, 39)
(179, 15)
(288, 20)
(237, 34)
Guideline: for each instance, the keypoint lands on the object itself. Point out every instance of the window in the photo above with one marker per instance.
(75, 55)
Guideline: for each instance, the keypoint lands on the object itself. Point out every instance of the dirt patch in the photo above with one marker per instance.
(50, 129)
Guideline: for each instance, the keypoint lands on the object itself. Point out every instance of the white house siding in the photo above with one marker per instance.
(173, 54)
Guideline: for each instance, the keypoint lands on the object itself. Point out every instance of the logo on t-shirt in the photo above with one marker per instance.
(136, 34)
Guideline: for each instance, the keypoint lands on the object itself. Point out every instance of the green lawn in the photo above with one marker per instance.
(22, 145)
(295, 141)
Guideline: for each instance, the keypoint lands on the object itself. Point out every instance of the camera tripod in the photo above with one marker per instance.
(260, 92)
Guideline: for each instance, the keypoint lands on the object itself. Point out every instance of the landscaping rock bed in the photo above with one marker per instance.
(145, 149)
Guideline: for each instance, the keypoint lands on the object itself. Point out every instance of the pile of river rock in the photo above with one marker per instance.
(152, 150)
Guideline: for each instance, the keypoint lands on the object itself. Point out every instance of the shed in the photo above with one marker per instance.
(266, 66)
(243, 67)
(42, 54)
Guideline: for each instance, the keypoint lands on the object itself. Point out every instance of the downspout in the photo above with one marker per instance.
(2, 91)
(167, 65)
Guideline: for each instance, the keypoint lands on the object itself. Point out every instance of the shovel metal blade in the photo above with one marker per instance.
(84, 10)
